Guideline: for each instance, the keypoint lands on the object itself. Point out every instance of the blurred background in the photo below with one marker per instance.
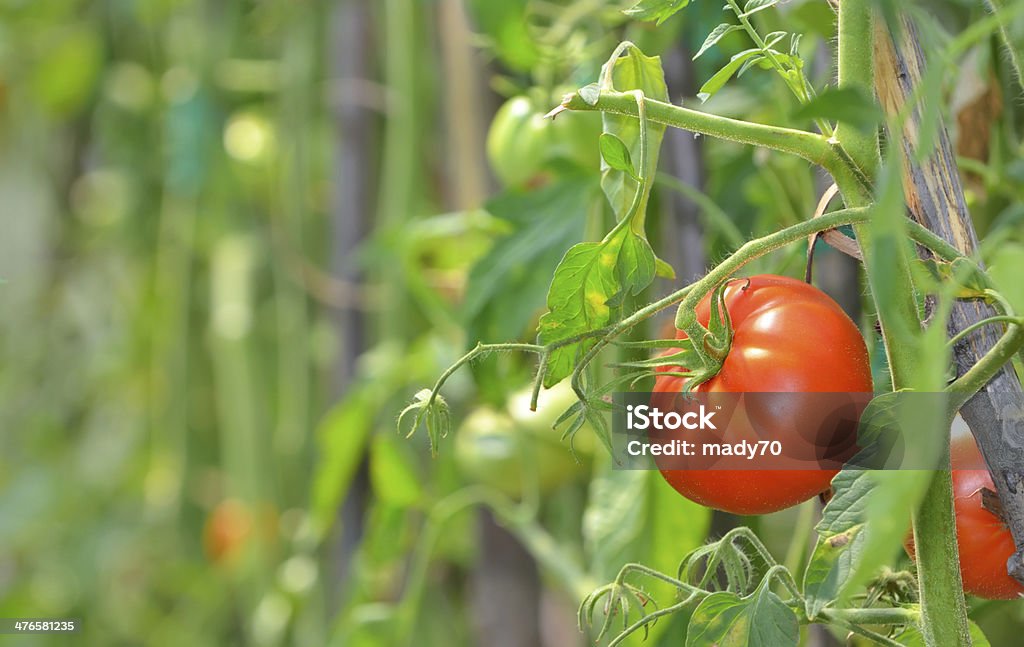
(237, 236)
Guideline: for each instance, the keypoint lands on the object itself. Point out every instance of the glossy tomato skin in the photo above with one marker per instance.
(984, 541)
(788, 337)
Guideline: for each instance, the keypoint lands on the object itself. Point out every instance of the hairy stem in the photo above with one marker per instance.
(810, 146)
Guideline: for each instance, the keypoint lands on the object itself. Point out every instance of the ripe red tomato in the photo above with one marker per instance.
(788, 337)
(984, 541)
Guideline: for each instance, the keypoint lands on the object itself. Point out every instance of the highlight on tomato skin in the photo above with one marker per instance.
(983, 539)
(788, 337)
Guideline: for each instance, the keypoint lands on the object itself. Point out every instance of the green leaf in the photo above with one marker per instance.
(719, 79)
(659, 10)
(616, 155)
(634, 267)
(513, 276)
(753, 6)
(392, 472)
(664, 270)
(833, 560)
(724, 619)
(66, 73)
(844, 105)
(577, 302)
(507, 28)
(342, 436)
(716, 35)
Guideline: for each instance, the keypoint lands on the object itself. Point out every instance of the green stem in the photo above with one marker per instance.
(942, 600)
(797, 87)
(981, 324)
(855, 63)
(810, 146)
(879, 616)
(686, 318)
(975, 379)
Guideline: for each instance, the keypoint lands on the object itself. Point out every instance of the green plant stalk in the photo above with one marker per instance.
(855, 60)
(964, 388)
(810, 146)
(943, 607)
(800, 89)
(686, 318)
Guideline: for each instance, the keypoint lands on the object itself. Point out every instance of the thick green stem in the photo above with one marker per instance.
(855, 72)
(879, 616)
(943, 607)
(810, 146)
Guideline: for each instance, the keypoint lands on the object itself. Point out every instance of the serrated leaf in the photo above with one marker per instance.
(832, 561)
(716, 35)
(616, 155)
(719, 79)
(844, 105)
(753, 6)
(659, 10)
(724, 619)
(577, 302)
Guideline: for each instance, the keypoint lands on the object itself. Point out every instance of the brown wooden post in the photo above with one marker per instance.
(935, 198)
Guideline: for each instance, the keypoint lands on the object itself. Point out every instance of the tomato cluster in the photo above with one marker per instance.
(788, 337)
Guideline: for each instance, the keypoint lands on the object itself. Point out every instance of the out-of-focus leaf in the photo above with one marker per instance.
(1006, 266)
(66, 74)
(659, 10)
(753, 6)
(505, 23)
(342, 435)
(845, 105)
(392, 471)
(635, 516)
(508, 284)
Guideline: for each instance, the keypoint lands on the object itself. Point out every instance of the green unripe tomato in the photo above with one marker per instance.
(551, 404)
(491, 449)
(521, 143)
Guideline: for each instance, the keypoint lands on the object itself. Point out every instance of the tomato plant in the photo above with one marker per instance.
(788, 337)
